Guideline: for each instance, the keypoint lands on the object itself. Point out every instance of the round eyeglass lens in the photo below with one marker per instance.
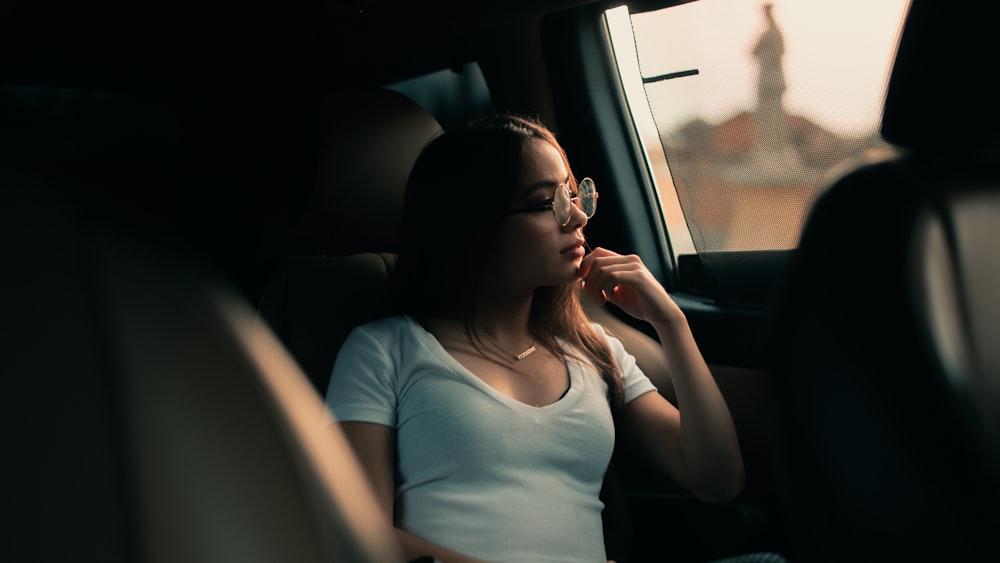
(588, 197)
(562, 205)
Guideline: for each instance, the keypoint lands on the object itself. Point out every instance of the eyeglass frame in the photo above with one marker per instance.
(571, 198)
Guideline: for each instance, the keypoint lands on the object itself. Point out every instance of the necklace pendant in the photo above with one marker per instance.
(526, 353)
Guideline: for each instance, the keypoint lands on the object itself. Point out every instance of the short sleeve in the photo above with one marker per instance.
(363, 382)
(636, 382)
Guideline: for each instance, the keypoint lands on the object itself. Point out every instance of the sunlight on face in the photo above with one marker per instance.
(542, 165)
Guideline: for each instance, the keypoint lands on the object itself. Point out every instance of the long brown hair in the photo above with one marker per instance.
(457, 195)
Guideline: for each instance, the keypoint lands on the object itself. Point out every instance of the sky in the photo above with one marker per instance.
(835, 58)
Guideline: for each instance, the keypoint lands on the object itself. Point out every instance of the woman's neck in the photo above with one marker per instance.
(505, 325)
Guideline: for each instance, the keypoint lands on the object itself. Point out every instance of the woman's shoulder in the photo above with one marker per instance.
(614, 341)
(386, 327)
(603, 330)
(385, 337)
(397, 339)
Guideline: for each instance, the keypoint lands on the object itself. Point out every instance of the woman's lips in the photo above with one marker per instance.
(575, 250)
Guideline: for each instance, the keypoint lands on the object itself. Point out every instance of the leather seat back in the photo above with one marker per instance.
(337, 275)
(147, 417)
(886, 372)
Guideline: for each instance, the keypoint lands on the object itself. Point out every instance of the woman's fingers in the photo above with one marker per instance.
(625, 281)
(603, 272)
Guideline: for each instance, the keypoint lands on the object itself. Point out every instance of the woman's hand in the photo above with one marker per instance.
(625, 281)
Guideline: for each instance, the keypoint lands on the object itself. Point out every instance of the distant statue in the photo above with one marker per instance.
(775, 160)
(769, 50)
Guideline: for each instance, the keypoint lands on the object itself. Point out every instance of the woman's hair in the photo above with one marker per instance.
(458, 193)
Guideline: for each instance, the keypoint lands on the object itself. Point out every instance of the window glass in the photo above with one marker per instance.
(746, 107)
(452, 96)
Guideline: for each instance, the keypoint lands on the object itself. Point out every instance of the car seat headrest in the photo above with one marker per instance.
(369, 142)
(941, 93)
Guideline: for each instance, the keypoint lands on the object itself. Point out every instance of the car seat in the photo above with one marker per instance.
(886, 369)
(147, 417)
(336, 273)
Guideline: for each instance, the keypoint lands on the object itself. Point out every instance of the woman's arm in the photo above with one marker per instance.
(696, 442)
(375, 447)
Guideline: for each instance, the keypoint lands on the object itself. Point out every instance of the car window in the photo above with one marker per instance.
(453, 95)
(744, 108)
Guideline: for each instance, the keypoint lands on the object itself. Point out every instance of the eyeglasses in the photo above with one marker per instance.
(562, 201)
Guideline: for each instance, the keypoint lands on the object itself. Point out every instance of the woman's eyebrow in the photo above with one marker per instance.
(551, 184)
(537, 186)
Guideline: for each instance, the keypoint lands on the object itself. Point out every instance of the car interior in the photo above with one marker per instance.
(202, 201)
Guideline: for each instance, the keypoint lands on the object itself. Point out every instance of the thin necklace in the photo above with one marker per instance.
(518, 356)
(529, 351)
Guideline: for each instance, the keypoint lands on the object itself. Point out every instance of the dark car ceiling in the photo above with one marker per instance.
(118, 44)
(114, 44)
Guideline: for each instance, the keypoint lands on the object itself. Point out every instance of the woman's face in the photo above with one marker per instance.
(532, 249)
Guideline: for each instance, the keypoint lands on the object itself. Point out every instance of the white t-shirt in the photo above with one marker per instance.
(478, 471)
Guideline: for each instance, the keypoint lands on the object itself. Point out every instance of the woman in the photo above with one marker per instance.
(485, 410)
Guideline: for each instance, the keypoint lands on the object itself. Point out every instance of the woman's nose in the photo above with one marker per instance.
(577, 218)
